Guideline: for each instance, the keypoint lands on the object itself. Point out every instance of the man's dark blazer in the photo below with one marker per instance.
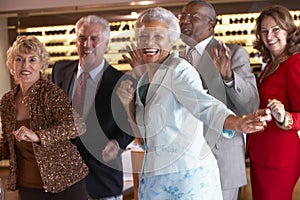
(104, 179)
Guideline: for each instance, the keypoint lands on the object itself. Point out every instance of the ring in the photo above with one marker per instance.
(259, 117)
(244, 116)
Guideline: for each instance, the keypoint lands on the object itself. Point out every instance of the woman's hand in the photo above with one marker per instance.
(126, 92)
(253, 122)
(135, 60)
(277, 110)
(23, 133)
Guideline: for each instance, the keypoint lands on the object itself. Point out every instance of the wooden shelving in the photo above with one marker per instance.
(230, 28)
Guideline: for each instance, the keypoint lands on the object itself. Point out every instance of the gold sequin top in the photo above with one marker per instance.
(53, 119)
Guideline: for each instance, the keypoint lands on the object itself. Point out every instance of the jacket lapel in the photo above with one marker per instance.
(157, 79)
(67, 82)
(211, 74)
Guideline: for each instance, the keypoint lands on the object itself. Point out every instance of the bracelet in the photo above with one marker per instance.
(287, 122)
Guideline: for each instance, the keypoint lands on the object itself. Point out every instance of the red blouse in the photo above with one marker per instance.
(275, 146)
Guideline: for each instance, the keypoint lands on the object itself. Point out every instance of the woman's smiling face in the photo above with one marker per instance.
(274, 37)
(27, 68)
(153, 41)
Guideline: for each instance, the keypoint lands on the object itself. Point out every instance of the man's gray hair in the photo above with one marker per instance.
(93, 19)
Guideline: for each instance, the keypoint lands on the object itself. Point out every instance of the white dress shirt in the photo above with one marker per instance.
(199, 49)
(92, 86)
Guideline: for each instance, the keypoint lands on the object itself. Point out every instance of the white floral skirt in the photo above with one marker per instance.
(202, 183)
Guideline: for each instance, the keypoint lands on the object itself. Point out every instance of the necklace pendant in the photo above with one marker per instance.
(25, 101)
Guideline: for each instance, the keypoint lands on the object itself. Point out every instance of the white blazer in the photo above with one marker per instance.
(171, 122)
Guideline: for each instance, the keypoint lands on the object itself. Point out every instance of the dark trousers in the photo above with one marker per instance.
(74, 192)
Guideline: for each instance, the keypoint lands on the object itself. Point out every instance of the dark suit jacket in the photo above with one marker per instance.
(106, 120)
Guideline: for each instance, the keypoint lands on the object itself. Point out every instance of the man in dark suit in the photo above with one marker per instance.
(229, 79)
(105, 136)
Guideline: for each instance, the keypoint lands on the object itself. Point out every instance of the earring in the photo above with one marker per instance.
(12, 72)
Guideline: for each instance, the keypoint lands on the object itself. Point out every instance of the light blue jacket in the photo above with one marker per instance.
(171, 122)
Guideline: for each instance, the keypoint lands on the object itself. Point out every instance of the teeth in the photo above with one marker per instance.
(272, 42)
(25, 72)
(185, 29)
(150, 51)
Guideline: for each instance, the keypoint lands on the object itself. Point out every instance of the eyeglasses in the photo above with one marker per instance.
(192, 16)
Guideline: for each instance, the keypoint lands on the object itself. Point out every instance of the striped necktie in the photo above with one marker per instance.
(78, 98)
(189, 55)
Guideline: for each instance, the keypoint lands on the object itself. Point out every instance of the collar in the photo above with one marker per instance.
(34, 86)
(93, 73)
(200, 47)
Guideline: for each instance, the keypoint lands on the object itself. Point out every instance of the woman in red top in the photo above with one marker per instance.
(275, 152)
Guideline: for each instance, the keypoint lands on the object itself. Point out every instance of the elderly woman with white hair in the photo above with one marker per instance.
(167, 112)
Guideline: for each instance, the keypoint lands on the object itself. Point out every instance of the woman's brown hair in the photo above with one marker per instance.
(284, 20)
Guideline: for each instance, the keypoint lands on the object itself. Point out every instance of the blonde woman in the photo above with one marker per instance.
(37, 124)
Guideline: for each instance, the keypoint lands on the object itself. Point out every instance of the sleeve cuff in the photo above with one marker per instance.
(228, 133)
(287, 122)
(229, 83)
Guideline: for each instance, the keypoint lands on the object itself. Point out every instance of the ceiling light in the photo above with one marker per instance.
(134, 15)
(142, 3)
